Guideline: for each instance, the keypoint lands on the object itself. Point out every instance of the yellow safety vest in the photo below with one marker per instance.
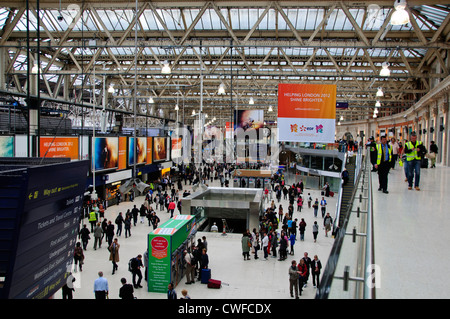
(413, 155)
(380, 152)
(92, 216)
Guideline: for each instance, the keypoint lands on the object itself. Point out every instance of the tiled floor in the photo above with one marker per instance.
(245, 279)
(411, 236)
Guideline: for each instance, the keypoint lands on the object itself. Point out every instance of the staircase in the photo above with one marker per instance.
(347, 191)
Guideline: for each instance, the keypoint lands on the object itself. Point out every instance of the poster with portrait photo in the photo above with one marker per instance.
(141, 150)
(106, 153)
(159, 149)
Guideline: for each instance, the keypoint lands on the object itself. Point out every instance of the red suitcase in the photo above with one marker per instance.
(213, 283)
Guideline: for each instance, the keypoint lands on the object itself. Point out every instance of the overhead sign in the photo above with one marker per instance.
(306, 112)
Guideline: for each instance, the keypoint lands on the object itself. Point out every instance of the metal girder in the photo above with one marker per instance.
(354, 73)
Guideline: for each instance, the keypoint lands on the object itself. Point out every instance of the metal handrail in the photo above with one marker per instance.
(330, 269)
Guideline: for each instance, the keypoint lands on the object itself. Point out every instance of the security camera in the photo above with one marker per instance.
(60, 18)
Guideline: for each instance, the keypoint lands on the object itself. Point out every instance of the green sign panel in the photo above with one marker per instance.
(162, 242)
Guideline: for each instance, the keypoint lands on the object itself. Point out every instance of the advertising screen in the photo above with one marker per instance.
(6, 146)
(306, 112)
(52, 147)
(106, 151)
(249, 119)
(159, 149)
(141, 150)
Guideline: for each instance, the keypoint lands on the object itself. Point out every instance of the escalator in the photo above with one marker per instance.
(347, 191)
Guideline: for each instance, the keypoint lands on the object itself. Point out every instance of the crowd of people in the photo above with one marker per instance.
(277, 235)
(279, 230)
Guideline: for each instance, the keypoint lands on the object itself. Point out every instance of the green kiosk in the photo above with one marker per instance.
(165, 251)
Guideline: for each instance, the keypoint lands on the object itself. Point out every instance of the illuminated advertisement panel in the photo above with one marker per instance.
(53, 147)
(105, 153)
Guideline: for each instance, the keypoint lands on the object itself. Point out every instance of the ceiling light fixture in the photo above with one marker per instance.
(400, 15)
(166, 68)
(35, 69)
(251, 101)
(377, 104)
(111, 88)
(150, 100)
(380, 92)
(221, 89)
(270, 108)
(385, 69)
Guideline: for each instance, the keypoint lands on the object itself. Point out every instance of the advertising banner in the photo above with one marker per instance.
(6, 146)
(122, 161)
(51, 147)
(141, 150)
(306, 112)
(159, 149)
(176, 148)
(106, 151)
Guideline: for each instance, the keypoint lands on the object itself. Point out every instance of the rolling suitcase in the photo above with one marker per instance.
(213, 283)
(205, 276)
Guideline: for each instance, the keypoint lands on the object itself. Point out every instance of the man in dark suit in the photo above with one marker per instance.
(383, 165)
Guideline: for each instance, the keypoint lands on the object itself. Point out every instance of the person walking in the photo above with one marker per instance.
(136, 265)
(323, 206)
(119, 222)
(84, 234)
(328, 221)
(98, 232)
(316, 267)
(383, 165)
(433, 154)
(127, 225)
(109, 233)
(101, 287)
(293, 279)
(114, 254)
(315, 230)
(414, 151)
(78, 256)
(316, 207)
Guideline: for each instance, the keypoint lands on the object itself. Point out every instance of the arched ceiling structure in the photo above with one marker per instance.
(84, 46)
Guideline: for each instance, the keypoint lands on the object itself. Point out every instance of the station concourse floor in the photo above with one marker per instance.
(411, 235)
(251, 279)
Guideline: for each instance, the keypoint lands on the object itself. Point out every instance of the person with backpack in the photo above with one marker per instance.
(134, 266)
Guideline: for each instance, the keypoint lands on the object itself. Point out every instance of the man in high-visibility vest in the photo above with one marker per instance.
(93, 219)
(383, 165)
(414, 150)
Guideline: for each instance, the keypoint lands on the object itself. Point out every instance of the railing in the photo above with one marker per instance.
(349, 272)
